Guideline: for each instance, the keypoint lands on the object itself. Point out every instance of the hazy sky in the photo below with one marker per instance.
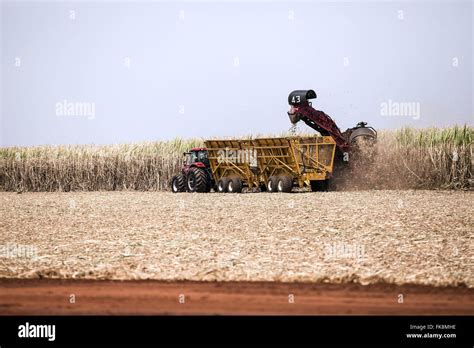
(114, 72)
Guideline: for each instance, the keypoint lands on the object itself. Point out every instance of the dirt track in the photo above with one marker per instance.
(49, 297)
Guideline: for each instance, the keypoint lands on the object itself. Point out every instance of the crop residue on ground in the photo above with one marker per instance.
(398, 237)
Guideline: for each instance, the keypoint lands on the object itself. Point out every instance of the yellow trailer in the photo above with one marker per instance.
(233, 165)
(273, 164)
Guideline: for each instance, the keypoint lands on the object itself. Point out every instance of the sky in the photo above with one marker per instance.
(107, 72)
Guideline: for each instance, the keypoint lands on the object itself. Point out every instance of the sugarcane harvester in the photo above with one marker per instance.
(275, 164)
(346, 142)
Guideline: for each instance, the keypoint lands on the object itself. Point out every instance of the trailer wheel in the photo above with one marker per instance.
(234, 185)
(272, 184)
(197, 180)
(178, 183)
(222, 184)
(284, 183)
(319, 185)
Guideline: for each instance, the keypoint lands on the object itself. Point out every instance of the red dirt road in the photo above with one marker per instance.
(96, 297)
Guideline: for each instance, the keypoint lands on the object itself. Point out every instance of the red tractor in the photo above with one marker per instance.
(196, 173)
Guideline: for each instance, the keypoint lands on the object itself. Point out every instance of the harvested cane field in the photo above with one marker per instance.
(378, 236)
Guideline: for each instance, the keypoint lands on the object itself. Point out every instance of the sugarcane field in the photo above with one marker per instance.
(212, 172)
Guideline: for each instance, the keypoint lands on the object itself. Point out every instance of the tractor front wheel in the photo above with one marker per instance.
(178, 183)
(197, 181)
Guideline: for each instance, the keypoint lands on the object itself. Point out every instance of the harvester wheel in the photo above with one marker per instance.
(178, 183)
(284, 183)
(272, 184)
(319, 185)
(222, 185)
(234, 185)
(197, 180)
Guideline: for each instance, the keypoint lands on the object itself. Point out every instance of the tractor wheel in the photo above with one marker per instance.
(197, 181)
(234, 185)
(178, 183)
(319, 185)
(272, 184)
(222, 184)
(284, 183)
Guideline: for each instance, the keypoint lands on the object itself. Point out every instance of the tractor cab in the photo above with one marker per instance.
(196, 157)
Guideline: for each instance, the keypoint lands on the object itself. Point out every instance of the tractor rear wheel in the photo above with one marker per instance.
(178, 183)
(222, 184)
(284, 183)
(272, 184)
(197, 180)
(319, 185)
(234, 185)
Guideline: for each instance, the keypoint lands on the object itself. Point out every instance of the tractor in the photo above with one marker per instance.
(196, 174)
